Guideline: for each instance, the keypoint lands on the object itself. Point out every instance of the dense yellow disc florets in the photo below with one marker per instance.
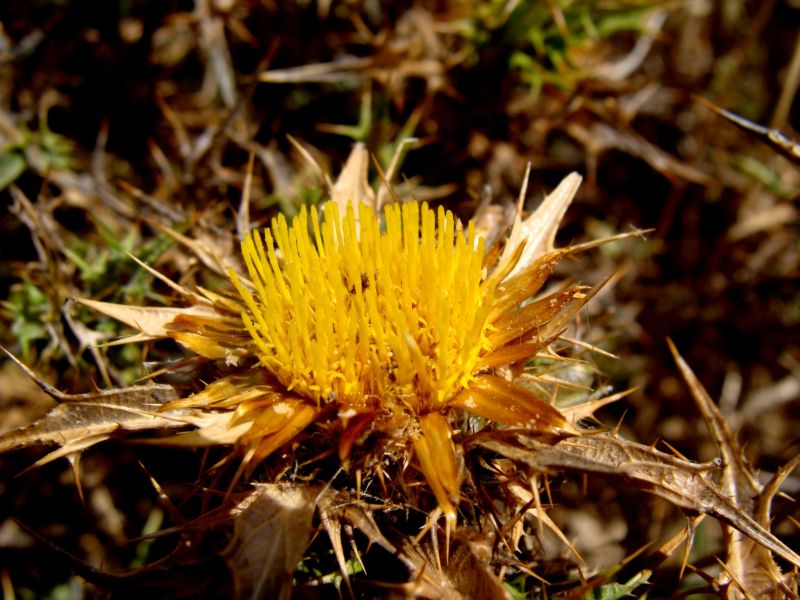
(343, 310)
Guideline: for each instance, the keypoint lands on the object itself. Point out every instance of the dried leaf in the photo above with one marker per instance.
(748, 564)
(465, 574)
(686, 484)
(82, 420)
(272, 528)
(95, 416)
(469, 571)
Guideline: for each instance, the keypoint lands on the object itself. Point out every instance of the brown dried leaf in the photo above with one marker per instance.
(464, 574)
(469, 570)
(684, 483)
(82, 420)
(748, 564)
(272, 528)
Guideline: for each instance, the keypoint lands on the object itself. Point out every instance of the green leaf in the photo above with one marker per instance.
(12, 165)
(616, 591)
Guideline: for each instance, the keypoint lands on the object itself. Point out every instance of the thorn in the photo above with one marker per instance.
(57, 395)
(615, 430)
(674, 450)
(774, 137)
(523, 191)
(690, 531)
(447, 523)
(394, 163)
(75, 462)
(323, 176)
(243, 214)
(173, 511)
(537, 500)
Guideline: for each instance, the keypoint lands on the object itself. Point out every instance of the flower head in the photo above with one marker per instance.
(393, 325)
(367, 318)
(382, 328)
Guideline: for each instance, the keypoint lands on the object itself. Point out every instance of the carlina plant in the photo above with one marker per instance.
(393, 337)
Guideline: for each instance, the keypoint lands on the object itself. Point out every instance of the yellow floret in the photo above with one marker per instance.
(341, 309)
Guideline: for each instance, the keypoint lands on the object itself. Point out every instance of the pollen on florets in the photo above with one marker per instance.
(341, 308)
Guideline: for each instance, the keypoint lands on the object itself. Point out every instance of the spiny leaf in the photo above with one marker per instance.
(750, 565)
(686, 484)
(82, 420)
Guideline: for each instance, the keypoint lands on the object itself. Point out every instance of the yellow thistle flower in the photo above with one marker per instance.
(384, 331)
(392, 327)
